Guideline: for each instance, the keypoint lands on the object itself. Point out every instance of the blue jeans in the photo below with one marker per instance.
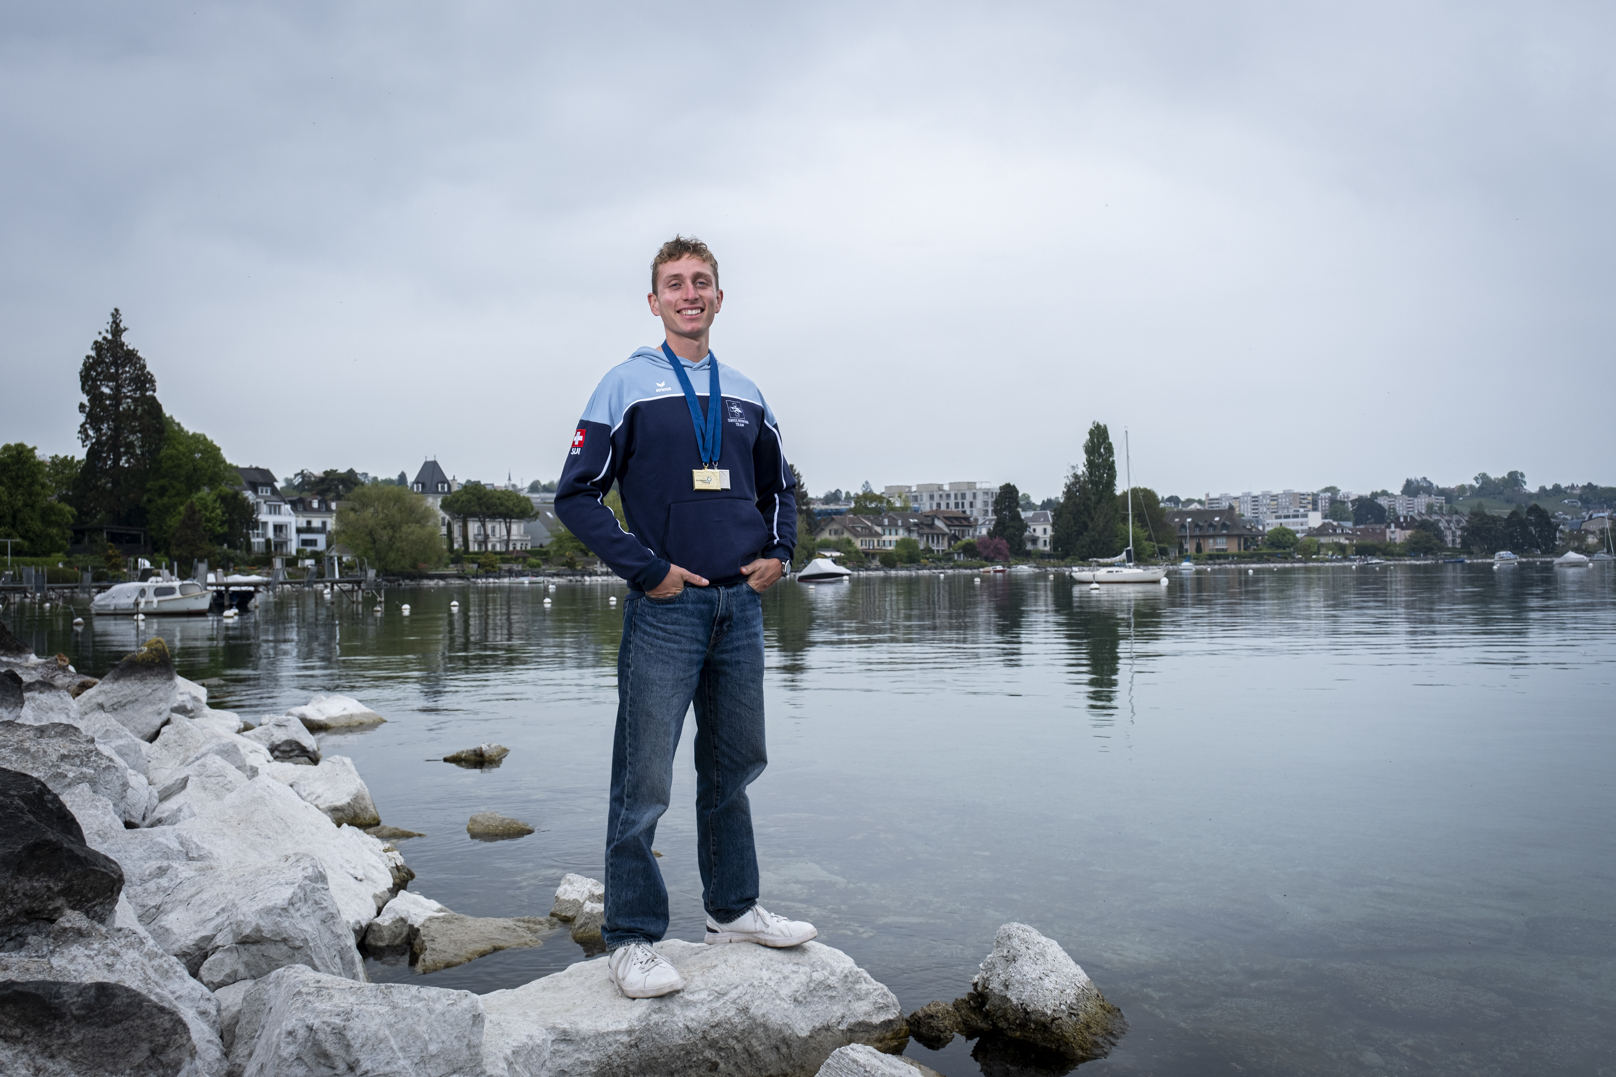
(703, 646)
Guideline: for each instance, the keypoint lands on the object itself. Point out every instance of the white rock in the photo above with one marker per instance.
(78, 950)
(1031, 990)
(858, 1060)
(264, 820)
(185, 740)
(297, 1023)
(44, 702)
(745, 1010)
(138, 692)
(334, 712)
(334, 786)
(203, 784)
(399, 920)
(230, 997)
(239, 923)
(63, 755)
(223, 721)
(573, 892)
(286, 740)
(190, 698)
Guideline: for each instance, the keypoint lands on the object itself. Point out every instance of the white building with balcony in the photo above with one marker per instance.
(274, 524)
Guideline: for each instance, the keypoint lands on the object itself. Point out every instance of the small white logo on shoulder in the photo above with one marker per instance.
(663, 387)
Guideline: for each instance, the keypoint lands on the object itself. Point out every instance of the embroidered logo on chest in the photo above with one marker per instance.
(736, 415)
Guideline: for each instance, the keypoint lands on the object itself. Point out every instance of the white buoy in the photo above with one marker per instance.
(1164, 581)
(231, 613)
(1095, 586)
(546, 601)
(140, 616)
(454, 604)
(405, 610)
(1251, 572)
(78, 622)
(612, 601)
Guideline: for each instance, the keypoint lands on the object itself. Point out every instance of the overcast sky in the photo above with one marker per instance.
(1285, 245)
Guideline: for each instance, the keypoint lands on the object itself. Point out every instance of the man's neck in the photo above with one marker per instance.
(693, 348)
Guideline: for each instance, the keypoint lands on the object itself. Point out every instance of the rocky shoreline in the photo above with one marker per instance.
(182, 893)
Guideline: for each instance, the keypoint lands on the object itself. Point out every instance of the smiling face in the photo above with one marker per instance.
(687, 299)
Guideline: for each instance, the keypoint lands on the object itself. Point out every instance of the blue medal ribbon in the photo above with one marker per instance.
(709, 427)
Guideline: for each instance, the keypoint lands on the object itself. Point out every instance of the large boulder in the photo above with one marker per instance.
(745, 1010)
(264, 821)
(298, 1023)
(325, 713)
(63, 755)
(185, 740)
(1031, 991)
(207, 781)
(46, 869)
(138, 691)
(286, 740)
(449, 939)
(333, 786)
(239, 923)
(54, 1029)
(492, 826)
(77, 951)
(44, 702)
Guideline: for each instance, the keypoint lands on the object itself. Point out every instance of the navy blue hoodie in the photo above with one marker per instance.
(637, 431)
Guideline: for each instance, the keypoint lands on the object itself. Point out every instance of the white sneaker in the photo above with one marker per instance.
(641, 972)
(763, 927)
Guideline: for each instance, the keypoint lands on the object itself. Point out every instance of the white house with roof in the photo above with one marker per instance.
(314, 518)
(274, 524)
(1040, 527)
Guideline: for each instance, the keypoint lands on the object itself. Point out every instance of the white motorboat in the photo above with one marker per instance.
(1186, 565)
(1571, 559)
(159, 596)
(822, 570)
(1505, 559)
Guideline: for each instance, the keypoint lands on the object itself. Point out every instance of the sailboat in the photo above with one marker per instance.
(1121, 568)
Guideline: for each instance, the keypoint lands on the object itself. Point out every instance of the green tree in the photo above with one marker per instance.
(870, 503)
(1308, 547)
(122, 432)
(966, 548)
(1280, 538)
(1007, 521)
(489, 563)
(1483, 533)
(1340, 510)
(189, 464)
(1422, 543)
(63, 473)
(474, 501)
(1096, 496)
(28, 508)
(188, 539)
(1149, 520)
(1544, 531)
(907, 551)
(390, 527)
(235, 518)
(566, 548)
(1367, 511)
(888, 559)
(331, 484)
(806, 549)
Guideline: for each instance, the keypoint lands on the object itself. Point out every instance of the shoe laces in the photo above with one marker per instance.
(769, 918)
(642, 957)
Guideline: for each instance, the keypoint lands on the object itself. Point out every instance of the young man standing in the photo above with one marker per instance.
(711, 522)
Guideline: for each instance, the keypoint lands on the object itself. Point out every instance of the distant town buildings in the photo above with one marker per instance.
(1211, 531)
(477, 536)
(974, 499)
(1040, 526)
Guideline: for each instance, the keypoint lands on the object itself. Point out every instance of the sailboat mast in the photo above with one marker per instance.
(1127, 463)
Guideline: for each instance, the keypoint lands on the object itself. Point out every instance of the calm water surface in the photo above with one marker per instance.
(1320, 820)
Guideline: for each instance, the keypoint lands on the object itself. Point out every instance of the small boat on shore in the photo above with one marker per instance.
(1505, 559)
(1571, 559)
(1453, 560)
(166, 597)
(822, 570)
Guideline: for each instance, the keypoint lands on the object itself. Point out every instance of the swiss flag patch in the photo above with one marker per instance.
(577, 439)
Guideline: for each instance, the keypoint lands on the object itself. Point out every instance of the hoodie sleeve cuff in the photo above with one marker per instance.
(782, 553)
(648, 577)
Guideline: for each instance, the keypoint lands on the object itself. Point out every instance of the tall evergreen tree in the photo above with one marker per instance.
(189, 540)
(1069, 523)
(1007, 520)
(1097, 495)
(122, 432)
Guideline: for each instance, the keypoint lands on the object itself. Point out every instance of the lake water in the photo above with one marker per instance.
(1313, 820)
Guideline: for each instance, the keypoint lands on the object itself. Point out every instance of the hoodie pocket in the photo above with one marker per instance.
(714, 537)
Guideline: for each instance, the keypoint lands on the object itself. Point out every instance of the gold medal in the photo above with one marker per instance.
(705, 478)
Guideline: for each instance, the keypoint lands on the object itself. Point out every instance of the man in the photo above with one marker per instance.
(711, 522)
